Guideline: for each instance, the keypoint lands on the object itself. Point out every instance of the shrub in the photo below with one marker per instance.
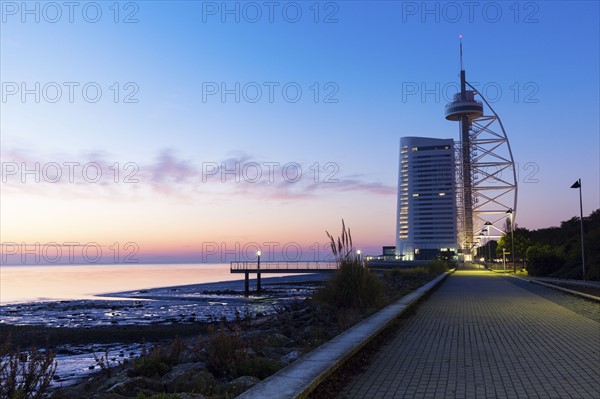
(542, 260)
(436, 267)
(103, 362)
(149, 366)
(413, 273)
(353, 286)
(163, 395)
(346, 318)
(225, 351)
(260, 367)
(25, 375)
(342, 248)
(158, 361)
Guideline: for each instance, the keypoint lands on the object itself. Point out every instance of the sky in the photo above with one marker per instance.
(199, 131)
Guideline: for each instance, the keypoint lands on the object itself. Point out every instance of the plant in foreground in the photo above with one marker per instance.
(158, 361)
(354, 285)
(25, 375)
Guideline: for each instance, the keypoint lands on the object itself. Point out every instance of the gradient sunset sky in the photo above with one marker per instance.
(368, 73)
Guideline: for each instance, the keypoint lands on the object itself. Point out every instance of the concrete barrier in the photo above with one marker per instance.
(563, 289)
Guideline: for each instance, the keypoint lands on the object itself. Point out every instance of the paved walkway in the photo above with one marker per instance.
(482, 335)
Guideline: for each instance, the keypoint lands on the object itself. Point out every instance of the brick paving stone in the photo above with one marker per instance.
(483, 335)
(585, 308)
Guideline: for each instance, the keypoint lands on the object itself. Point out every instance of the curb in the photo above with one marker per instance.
(300, 378)
(568, 291)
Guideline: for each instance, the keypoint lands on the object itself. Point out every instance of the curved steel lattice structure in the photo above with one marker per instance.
(486, 177)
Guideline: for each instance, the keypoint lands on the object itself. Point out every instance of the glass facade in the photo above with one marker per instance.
(426, 220)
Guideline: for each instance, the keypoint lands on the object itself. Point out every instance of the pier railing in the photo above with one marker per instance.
(283, 266)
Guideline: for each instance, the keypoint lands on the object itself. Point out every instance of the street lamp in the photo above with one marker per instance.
(481, 235)
(358, 254)
(258, 287)
(504, 259)
(489, 244)
(512, 238)
(577, 184)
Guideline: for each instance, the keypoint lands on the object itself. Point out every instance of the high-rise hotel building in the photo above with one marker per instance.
(426, 199)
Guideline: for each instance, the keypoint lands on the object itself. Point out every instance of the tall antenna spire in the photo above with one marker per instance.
(460, 39)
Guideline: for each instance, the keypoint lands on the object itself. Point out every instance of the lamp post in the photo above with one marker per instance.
(481, 235)
(512, 239)
(577, 184)
(258, 287)
(358, 255)
(489, 244)
(504, 259)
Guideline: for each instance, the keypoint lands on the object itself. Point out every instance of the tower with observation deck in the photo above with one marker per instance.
(485, 173)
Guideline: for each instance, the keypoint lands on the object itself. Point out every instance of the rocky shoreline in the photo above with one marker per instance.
(228, 357)
(164, 305)
(79, 331)
(225, 360)
(212, 357)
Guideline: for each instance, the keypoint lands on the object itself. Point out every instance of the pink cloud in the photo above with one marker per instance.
(240, 175)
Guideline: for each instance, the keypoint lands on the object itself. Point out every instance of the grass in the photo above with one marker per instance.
(225, 350)
(353, 286)
(158, 361)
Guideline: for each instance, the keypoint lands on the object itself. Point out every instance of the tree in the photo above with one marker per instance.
(566, 243)
(522, 243)
(560, 247)
(543, 260)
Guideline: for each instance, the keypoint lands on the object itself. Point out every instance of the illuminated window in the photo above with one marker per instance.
(415, 195)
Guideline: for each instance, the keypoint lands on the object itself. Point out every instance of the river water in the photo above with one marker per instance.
(19, 284)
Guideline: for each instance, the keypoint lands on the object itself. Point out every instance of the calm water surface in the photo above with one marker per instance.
(43, 283)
